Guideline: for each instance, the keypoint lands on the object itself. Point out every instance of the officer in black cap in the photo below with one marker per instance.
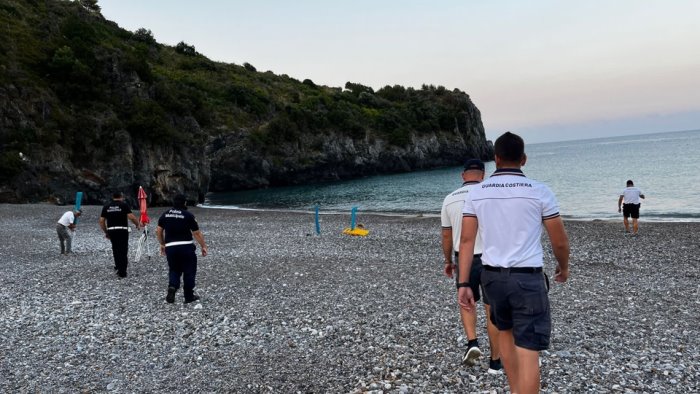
(177, 230)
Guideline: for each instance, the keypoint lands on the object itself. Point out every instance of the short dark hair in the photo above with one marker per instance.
(180, 201)
(509, 147)
(117, 195)
(630, 183)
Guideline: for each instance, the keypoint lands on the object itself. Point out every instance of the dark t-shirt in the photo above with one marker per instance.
(178, 225)
(116, 214)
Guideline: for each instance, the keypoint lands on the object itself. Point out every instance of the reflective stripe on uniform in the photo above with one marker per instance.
(179, 243)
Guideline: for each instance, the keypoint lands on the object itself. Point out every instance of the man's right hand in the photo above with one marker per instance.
(561, 275)
(465, 298)
(449, 269)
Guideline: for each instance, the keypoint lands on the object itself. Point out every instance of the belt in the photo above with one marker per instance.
(517, 270)
(175, 243)
(117, 228)
(476, 255)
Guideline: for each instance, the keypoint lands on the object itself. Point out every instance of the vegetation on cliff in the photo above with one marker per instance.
(71, 80)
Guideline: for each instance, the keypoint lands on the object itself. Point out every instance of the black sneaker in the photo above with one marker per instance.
(495, 367)
(194, 298)
(471, 355)
(170, 298)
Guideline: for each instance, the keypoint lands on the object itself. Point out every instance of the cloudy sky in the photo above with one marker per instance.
(548, 70)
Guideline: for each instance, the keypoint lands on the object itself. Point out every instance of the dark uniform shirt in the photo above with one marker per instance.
(178, 225)
(116, 213)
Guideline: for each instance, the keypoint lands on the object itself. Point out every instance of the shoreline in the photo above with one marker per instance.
(566, 218)
(285, 311)
(436, 215)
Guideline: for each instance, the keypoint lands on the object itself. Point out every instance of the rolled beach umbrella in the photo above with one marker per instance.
(142, 206)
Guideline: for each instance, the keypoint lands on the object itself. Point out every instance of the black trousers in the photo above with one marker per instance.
(182, 261)
(120, 249)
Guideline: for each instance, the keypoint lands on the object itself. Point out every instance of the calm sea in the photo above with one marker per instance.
(587, 177)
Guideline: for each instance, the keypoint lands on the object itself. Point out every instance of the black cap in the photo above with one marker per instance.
(474, 164)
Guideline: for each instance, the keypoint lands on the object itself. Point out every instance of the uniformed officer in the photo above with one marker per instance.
(176, 229)
(509, 211)
(114, 223)
(451, 218)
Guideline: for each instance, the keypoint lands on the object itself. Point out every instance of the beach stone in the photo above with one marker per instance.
(356, 315)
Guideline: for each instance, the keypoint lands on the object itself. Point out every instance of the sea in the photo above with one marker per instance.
(587, 176)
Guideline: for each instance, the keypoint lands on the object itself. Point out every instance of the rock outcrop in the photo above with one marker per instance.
(87, 106)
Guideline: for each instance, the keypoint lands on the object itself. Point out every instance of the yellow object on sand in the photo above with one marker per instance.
(356, 231)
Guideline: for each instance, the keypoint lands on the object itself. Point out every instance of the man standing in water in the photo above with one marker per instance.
(451, 215)
(114, 223)
(509, 210)
(630, 196)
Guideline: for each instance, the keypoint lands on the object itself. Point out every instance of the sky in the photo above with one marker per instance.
(548, 70)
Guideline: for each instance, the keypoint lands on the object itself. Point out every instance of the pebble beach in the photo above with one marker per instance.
(283, 310)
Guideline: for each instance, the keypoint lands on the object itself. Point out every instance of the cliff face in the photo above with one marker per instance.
(316, 158)
(87, 106)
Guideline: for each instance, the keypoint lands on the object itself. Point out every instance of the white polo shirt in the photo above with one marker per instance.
(631, 195)
(67, 219)
(451, 215)
(510, 209)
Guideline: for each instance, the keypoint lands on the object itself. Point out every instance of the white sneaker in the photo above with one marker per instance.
(471, 355)
(495, 367)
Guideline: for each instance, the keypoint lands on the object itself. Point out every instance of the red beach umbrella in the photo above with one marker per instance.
(142, 205)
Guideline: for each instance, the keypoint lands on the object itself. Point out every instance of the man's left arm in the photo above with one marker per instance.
(200, 240)
(133, 219)
(560, 247)
(619, 203)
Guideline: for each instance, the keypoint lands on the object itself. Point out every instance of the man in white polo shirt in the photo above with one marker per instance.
(451, 218)
(631, 197)
(66, 223)
(509, 210)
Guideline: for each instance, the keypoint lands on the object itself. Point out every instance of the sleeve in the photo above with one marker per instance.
(104, 212)
(194, 226)
(550, 207)
(161, 220)
(71, 218)
(127, 208)
(468, 208)
(444, 218)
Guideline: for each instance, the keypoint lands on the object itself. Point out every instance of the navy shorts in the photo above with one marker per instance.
(631, 210)
(474, 278)
(519, 302)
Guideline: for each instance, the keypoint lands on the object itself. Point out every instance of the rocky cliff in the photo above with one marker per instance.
(87, 106)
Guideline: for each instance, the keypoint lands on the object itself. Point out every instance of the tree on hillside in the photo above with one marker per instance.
(185, 49)
(90, 5)
(357, 88)
(144, 35)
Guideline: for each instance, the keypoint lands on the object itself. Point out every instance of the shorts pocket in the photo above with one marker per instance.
(532, 297)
